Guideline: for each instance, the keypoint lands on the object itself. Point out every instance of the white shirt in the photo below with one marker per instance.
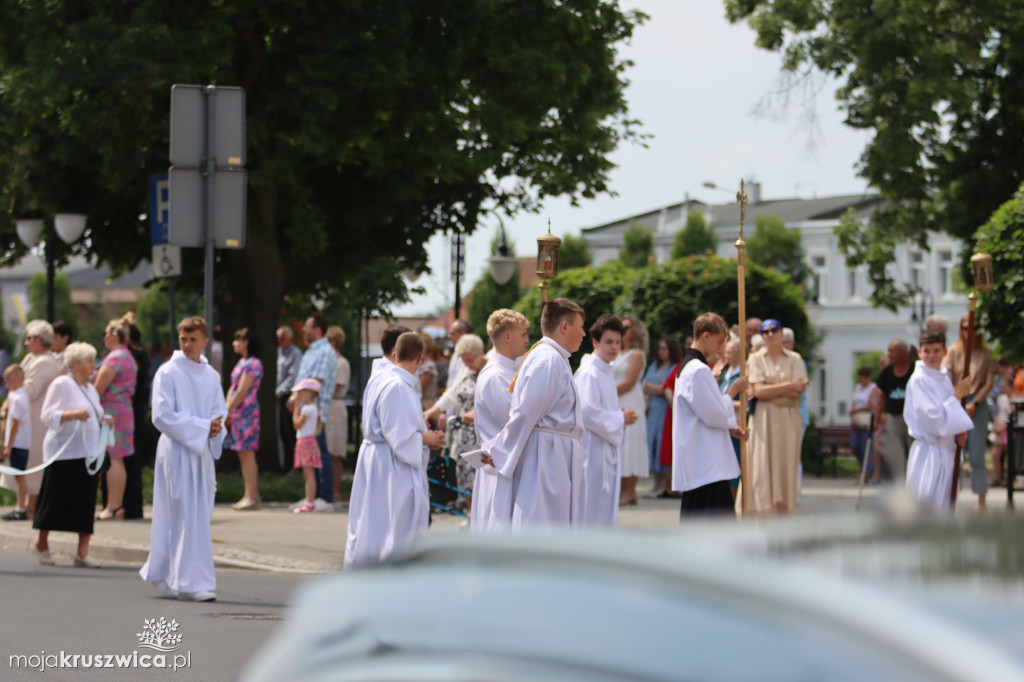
(308, 427)
(63, 395)
(701, 418)
(19, 409)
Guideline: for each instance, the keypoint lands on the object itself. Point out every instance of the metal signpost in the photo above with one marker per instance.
(207, 175)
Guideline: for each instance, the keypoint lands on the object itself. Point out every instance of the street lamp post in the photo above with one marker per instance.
(458, 268)
(924, 301)
(503, 263)
(69, 227)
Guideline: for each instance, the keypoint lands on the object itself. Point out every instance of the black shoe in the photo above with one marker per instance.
(16, 515)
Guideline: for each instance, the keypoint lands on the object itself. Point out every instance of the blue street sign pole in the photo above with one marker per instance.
(159, 219)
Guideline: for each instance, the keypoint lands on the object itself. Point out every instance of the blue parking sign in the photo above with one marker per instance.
(159, 207)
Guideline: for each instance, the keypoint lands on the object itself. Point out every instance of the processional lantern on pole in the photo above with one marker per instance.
(547, 261)
(983, 283)
(741, 286)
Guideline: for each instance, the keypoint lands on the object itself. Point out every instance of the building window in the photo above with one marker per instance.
(819, 278)
(851, 284)
(945, 272)
(917, 270)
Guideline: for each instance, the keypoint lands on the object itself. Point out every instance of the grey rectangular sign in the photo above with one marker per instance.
(227, 107)
(186, 208)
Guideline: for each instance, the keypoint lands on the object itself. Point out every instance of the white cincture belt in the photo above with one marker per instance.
(568, 434)
(374, 442)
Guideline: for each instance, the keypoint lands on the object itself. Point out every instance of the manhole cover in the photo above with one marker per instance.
(245, 616)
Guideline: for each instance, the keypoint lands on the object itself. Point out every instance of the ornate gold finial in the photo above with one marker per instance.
(741, 197)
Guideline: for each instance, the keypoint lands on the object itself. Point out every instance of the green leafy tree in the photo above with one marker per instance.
(1001, 312)
(669, 296)
(370, 127)
(574, 253)
(637, 246)
(63, 308)
(773, 245)
(488, 296)
(939, 85)
(696, 237)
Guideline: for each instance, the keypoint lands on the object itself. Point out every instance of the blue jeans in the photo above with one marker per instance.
(325, 474)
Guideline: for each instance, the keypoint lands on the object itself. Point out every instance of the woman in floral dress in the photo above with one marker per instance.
(115, 384)
(243, 422)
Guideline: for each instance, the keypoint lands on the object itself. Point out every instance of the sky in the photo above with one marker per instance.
(695, 85)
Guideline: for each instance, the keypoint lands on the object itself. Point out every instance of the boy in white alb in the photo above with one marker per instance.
(540, 448)
(492, 493)
(604, 424)
(390, 504)
(17, 436)
(937, 422)
(188, 411)
(703, 418)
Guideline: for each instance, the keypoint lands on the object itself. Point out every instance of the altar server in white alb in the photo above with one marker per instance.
(604, 424)
(492, 493)
(936, 421)
(539, 448)
(188, 410)
(703, 418)
(390, 503)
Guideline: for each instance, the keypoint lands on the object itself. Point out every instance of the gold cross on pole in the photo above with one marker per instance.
(741, 197)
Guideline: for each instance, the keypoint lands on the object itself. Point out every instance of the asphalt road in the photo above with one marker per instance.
(102, 611)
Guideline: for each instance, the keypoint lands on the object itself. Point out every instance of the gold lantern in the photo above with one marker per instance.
(982, 263)
(547, 260)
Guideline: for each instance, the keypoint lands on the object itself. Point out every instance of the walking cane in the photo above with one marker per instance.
(869, 454)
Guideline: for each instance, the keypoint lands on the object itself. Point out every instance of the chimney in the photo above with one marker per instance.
(755, 192)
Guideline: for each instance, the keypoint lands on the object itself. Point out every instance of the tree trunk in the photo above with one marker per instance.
(253, 284)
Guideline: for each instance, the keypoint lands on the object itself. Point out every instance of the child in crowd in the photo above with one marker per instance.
(17, 436)
(937, 422)
(306, 419)
(1000, 426)
(604, 423)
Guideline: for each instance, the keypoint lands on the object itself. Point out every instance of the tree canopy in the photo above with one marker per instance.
(941, 87)
(1002, 310)
(637, 246)
(773, 245)
(696, 237)
(370, 127)
(575, 252)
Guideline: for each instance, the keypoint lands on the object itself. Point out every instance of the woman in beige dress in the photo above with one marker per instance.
(777, 379)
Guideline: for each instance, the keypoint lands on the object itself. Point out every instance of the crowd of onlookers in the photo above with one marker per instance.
(879, 398)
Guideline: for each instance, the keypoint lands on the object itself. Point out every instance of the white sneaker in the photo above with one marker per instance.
(86, 562)
(322, 505)
(296, 505)
(201, 595)
(44, 556)
(165, 590)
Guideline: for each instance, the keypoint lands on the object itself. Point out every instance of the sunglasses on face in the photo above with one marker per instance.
(773, 330)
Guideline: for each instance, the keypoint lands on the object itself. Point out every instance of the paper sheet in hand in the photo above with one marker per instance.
(475, 458)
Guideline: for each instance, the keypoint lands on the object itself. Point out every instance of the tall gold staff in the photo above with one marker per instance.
(741, 282)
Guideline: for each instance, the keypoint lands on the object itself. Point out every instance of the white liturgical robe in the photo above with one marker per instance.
(390, 502)
(934, 417)
(604, 434)
(701, 418)
(539, 448)
(492, 493)
(187, 397)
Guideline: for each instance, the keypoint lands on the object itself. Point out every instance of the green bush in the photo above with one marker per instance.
(1002, 310)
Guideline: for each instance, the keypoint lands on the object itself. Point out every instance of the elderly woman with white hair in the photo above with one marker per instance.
(461, 433)
(72, 413)
(41, 368)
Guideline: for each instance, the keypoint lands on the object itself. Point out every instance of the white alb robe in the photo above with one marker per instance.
(934, 417)
(187, 397)
(701, 418)
(390, 504)
(540, 447)
(604, 435)
(492, 402)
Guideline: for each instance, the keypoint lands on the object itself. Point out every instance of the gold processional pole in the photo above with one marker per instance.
(741, 284)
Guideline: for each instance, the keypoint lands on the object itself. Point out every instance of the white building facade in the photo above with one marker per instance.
(839, 306)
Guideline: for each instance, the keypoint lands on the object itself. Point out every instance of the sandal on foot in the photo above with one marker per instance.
(108, 515)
